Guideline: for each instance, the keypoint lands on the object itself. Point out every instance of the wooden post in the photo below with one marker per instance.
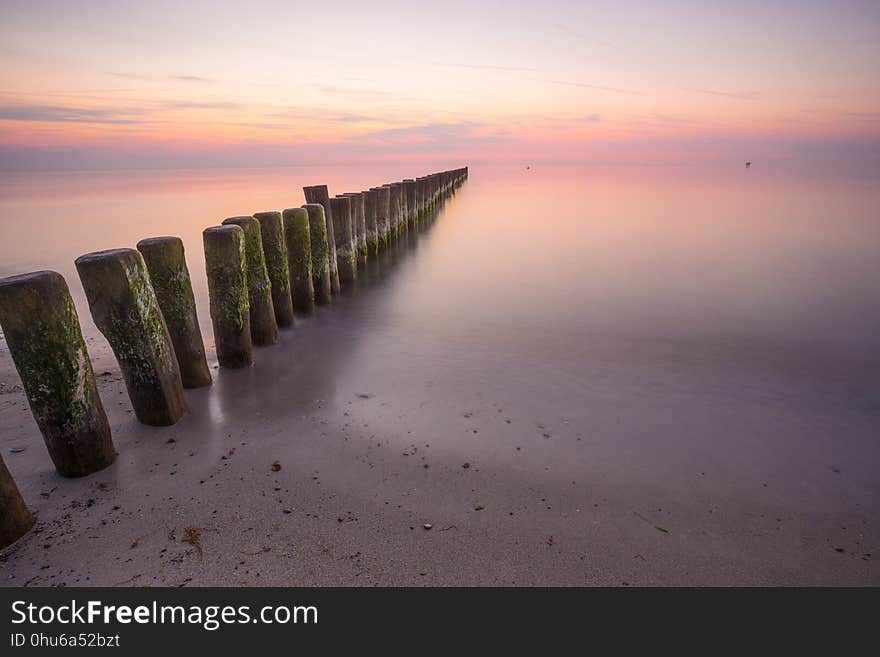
(275, 252)
(15, 519)
(319, 194)
(166, 262)
(359, 221)
(346, 257)
(45, 341)
(264, 330)
(125, 309)
(371, 220)
(383, 216)
(227, 288)
(299, 252)
(321, 280)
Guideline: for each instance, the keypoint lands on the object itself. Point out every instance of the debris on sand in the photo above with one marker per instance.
(193, 536)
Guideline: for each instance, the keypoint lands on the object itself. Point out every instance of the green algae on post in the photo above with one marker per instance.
(45, 341)
(228, 292)
(275, 252)
(371, 217)
(299, 253)
(125, 309)
(15, 519)
(321, 282)
(264, 330)
(409, 190)
(166, 262)
(320, 194)
(346, 255)
(359, 226)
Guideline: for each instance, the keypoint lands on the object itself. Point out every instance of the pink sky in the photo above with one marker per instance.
(92, 84)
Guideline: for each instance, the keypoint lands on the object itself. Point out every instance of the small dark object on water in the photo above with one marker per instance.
(276, 466)
(748, 165)
(465, 465)
(427, 526)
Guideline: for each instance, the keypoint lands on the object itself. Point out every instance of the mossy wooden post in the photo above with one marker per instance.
(166, 262)
(45, 341)
(371, 216)
(264, 330)
(15, 519)
(346, 257)
(320, 253)
(228, 291)
(299, 254)
(409, 189)
(125, 309)
(383, 216)
(319, 194)
(420, 197)
(401, 212)
(275, 253)
(359, 222)
(393, 212)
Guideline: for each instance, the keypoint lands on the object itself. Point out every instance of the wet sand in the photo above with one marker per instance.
(535, 457)
(365, 469)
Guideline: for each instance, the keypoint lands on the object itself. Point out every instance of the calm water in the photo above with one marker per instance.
(646, 324)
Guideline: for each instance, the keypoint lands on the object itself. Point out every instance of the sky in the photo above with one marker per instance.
(92, 84)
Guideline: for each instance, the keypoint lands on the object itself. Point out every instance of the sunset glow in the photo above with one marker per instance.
(94, 84)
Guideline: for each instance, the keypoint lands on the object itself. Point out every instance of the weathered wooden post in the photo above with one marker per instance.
(299, 254)
(394, 211)
(371, 216)
(383, 216)
(275, 253)
(319, 194)
(409, 188)
(420, 197)
(359, 221)
(226, 267)
(124, 307)
(346, 257)
(404, 212)
(15, 519)
(321, 283)
(44, 338)
(166, 263)
(264, 330)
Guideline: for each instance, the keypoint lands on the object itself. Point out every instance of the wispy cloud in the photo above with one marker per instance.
(351, 91)
(585, 85)
(489, 67)
(590, 118)
(199, 104)
(445, 135)
(194, 78)
(197, 79)
(742, 95)
(55, 114)
(863, 116)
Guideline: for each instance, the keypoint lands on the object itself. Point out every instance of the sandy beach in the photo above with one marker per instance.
(286, 475)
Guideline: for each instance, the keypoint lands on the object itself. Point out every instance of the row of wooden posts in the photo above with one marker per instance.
(262, 271)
